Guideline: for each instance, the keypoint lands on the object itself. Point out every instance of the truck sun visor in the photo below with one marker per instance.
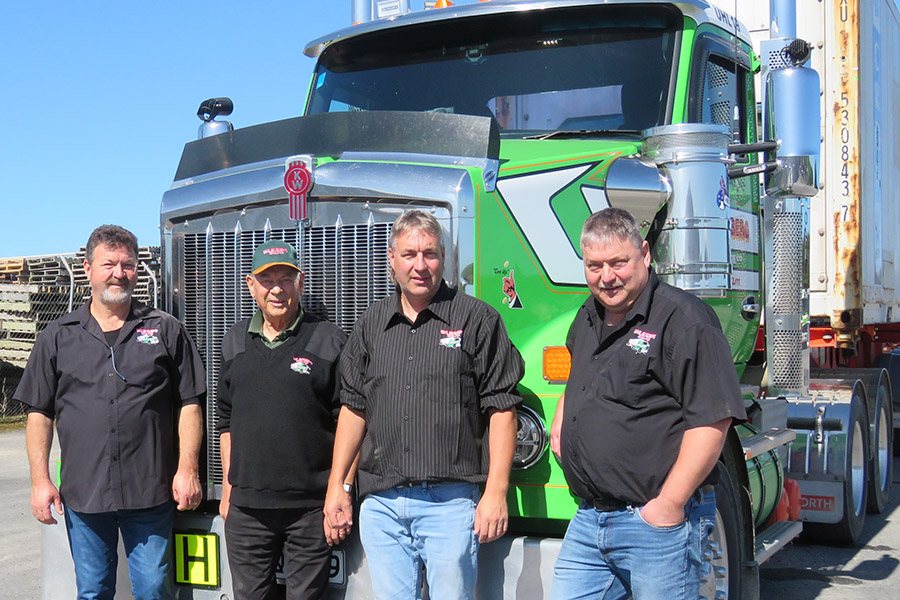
(332, 134)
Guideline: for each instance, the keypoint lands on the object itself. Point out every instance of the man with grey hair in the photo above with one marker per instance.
(124, 384)
(649, 400)
(423, 374)
(277, 401)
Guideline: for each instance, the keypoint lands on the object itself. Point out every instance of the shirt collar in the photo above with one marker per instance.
(640, 308)
(82, 316)
(256, 325)
(439, 306)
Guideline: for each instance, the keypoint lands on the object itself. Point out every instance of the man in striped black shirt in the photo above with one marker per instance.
(428, 376)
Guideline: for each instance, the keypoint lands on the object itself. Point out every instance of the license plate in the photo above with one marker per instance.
(337, 575)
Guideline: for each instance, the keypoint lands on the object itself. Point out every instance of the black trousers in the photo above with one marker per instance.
(256, 539)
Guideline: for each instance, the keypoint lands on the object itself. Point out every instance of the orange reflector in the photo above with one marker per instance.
(557, 363)
(442, 4)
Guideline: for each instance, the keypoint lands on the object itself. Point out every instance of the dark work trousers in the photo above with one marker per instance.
(256, 538)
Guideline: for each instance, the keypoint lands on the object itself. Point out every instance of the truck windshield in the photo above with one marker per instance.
(587, 68)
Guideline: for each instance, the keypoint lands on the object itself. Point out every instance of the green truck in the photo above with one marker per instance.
(511, 121)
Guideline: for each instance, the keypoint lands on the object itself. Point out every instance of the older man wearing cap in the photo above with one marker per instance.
(277, 403)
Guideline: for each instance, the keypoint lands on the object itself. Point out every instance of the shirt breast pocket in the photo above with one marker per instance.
(624, 380)
(155, 369)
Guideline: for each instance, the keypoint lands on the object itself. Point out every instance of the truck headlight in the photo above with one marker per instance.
(531, 438)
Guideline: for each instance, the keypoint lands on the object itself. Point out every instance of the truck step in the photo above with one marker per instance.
(776, 537)
(761, 443)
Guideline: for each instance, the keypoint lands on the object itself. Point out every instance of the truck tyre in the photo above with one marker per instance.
(724, 543)
(849, 529)
(881, 466)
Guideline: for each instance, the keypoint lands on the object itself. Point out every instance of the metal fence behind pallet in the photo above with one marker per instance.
(35, 291)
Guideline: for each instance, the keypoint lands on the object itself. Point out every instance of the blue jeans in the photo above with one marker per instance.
(146, 533)
(609, 555)
(402, 528)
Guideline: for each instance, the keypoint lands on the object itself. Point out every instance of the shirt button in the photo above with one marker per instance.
(109, 374)
(406, 449)
(112, 401)
(574, 418)
(583, 388)
(597, 357)
(412, 330)
(407, 386)
(406, 417)
(410, 358)
(115, 458)
(113, 430)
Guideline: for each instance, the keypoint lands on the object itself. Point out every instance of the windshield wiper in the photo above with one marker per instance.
(564, 133)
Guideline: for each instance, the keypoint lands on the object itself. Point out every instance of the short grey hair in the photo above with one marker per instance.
(610, 224)
(112, 236)
(416, 221)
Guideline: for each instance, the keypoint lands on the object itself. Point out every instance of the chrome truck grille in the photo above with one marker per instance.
(346, 270)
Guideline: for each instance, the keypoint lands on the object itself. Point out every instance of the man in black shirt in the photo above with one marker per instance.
(424, 373)
(277, 403)
(650, 397)
(118, 378)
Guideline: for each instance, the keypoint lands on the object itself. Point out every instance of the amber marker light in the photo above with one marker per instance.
(557, 363)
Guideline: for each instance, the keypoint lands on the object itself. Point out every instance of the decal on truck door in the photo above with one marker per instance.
(537, 202)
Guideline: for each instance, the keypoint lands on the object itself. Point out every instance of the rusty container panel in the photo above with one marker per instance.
(854, 219)
(854, 273)
(842, 191)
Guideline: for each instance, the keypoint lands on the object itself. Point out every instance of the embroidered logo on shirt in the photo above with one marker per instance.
(452, 338)
(147, 336)
(641, 343)
(301, 365)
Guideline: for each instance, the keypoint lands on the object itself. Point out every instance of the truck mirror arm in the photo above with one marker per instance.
(753, 148)
(756, 169)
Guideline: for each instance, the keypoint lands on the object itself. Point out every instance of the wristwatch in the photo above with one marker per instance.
(348, 487)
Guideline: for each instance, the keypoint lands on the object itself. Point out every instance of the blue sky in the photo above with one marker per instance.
(98, 99)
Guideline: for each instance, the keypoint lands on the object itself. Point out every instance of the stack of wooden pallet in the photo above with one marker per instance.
(25, 310)
(12, 269)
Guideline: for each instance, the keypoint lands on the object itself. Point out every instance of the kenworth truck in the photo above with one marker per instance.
(511, 121)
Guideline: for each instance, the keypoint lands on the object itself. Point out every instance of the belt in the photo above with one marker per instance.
(613, 504)
(608, 504)
(421, 484)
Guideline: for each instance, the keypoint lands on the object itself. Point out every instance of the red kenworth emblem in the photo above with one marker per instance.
(297, 182)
